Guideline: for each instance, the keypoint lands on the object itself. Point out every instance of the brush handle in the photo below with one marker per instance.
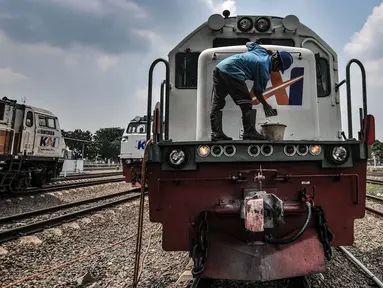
(275, 113)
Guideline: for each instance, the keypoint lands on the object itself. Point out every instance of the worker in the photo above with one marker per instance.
(229, 77)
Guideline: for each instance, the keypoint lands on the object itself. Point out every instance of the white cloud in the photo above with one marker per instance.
(369, 39)
(105, 62)
(365, 45)
(9, 77)
(218, 6)
(156, 41)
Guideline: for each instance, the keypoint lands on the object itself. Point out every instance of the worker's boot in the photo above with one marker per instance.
(249, 131)
(216, 127)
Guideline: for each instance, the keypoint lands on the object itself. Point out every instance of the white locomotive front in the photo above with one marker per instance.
(132, 149)
(30, 145)
(255, 210)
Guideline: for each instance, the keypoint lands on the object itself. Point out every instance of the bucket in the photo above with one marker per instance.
(274, 131)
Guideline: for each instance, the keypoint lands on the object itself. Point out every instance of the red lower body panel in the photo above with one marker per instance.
(229, 258)
(132, 172)
(177, 198)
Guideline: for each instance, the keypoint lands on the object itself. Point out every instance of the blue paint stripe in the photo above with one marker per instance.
(296, 89)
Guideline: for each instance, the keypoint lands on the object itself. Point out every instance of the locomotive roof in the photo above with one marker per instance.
(139, 119)
(34, 109)
(41, 111)
(304, 28)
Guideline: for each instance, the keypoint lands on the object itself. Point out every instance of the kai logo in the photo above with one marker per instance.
(278, 88)
(141, 144)
(47, 141)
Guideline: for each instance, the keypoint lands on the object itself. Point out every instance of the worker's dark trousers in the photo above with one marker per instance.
(223, 85)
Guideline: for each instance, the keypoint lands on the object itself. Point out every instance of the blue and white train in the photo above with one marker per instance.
(132, 149)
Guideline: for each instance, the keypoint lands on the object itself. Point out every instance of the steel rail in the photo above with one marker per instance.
(86, 176)
(374, 198)
(376, 182)
(63, 206)
(57, 187)
(377, 212)
(7, 235)
(360, 265)
(379, 199)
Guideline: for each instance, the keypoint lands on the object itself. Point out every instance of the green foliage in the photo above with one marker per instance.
(108, 141)
(90, 149)
(375, 190)
(377, 149)
(104, 144)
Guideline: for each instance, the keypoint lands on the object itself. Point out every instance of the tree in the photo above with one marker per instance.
(377, 149)
(108, 142)
(90, 148)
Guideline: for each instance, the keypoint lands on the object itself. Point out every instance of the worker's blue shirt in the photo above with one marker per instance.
(253, 65)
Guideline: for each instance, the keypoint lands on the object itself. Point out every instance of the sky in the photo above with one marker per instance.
(87, 61)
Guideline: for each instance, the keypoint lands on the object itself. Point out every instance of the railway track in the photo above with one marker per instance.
(30, 228)
(377, 200)
(374, 181)
(376, 174)
(361, 266)
(86, 176)
(58, 187)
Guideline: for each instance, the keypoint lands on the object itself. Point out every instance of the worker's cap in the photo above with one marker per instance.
(286, 60)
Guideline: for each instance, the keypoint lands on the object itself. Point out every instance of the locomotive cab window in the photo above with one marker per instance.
(2, 111)
(186, 70)
(279, 42)
(47, 122)
(136, 128)
(29, 119)
(323, 76)
(223, 42)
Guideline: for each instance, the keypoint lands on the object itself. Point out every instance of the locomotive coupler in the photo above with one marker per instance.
(261, 210)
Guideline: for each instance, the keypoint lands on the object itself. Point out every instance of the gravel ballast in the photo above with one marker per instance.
(113, 266)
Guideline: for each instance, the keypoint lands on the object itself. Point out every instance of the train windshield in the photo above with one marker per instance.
(136, 128)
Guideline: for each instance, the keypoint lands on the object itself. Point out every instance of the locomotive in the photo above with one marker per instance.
(132, 149)
(256, 210)
(31, 146)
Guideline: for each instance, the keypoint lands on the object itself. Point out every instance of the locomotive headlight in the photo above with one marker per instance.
(203, 151)
(262, 24)
(245, 24)
(315, 150)
(290, 150)
(177, 157)
(128, 161)
(339, 154)
(217, 150)
(302, 150)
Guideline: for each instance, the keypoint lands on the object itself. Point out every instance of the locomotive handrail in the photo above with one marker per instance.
(364, 92)
(162, 108)
(150, 90)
